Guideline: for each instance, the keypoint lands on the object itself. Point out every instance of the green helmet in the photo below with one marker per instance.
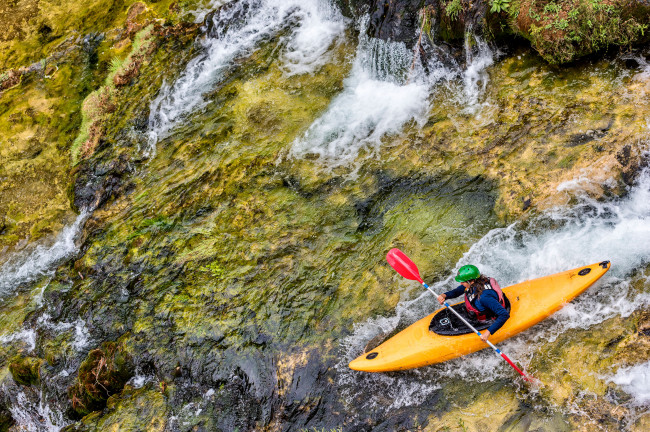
(467, 272)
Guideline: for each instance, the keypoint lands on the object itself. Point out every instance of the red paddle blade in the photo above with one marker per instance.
(403, 265)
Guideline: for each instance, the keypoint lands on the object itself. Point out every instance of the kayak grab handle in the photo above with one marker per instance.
(604, 264)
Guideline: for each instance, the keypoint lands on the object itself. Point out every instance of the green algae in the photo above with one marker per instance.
(35, 129)
(32, 29)
(41, 119)
(135, 410)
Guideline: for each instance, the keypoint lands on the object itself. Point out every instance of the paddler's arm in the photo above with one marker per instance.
(459, 290)
(489, 300)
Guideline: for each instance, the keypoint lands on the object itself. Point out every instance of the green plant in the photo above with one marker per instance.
(453, 9)
(561, 24)
(499, 5)
(552, 8)
(116, 64)
(534, 15)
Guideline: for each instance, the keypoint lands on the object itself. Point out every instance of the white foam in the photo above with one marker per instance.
(378, 99)
(81, 337)
(479, 57)
(27, 336)
(313, 25)
(35, 417)
(41, 261)
(635, 381)
(138, 380)
(201, 12)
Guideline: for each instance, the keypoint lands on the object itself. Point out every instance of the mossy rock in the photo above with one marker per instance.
(143, 409)
(565, 30)
(103, 374)
(25, 370)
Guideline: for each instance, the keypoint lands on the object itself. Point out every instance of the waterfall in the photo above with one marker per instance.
(375, 101)
(387, 88)
(478, 57)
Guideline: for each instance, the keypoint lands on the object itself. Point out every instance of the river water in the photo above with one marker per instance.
(282, 157)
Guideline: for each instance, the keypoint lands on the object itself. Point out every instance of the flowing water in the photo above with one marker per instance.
(245, 267)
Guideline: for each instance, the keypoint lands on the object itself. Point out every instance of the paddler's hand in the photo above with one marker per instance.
(485, 335)
(441, 298)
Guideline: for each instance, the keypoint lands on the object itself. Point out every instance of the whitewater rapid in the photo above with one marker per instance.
(559, 239)
(387, 89)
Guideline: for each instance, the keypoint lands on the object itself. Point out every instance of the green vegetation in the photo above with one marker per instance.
(214, 268)
(25, 370)
(497, 6)
(102, 374)
(453, 9)
(102, 102)
(564, 30)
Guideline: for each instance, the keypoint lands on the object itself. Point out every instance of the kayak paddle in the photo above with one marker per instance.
(407, 268)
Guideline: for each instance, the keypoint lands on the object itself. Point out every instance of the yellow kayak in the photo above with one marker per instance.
(530, 303)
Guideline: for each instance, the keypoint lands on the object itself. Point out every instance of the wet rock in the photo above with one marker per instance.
(395, 20)
(218, 21)
(89, 46)
(588, 136)
(632, 160)
(6, 420)
(141, 409)
(98, 182)
(9, 79)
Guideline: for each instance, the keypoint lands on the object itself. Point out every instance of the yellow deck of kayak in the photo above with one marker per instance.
(531, 302)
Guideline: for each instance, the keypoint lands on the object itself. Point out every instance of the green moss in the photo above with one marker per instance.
(565, 30)
(132, 410)
(567, 162)
(30, 33)
(25, 370)
(102, 374)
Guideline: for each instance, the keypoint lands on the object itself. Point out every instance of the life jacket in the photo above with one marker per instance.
(470, 301)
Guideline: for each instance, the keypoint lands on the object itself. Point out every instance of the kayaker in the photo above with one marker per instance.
(484, 299)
